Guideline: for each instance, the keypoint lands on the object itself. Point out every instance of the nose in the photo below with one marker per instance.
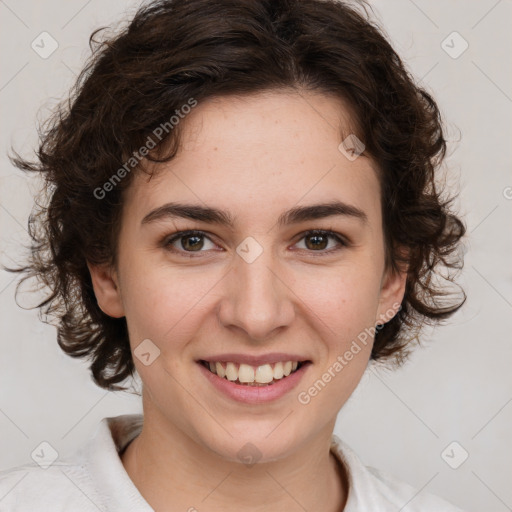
(257, 300)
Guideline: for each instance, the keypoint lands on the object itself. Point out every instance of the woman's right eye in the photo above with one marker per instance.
(189, 242)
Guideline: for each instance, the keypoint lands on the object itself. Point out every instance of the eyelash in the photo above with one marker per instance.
(167, 242)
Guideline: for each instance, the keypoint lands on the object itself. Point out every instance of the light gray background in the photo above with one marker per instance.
(457, 388)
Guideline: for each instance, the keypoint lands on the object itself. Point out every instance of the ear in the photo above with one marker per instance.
(106, 288)
(391, 294)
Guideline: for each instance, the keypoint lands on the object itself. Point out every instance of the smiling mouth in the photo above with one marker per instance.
(245, 374)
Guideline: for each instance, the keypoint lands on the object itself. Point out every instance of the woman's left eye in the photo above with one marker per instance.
(316, 240)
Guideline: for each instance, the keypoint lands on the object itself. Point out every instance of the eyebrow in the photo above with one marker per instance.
(224, 218)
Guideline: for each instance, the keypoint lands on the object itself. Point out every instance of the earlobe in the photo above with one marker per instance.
(106, 288)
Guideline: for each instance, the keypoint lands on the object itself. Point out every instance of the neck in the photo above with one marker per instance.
(167, 466)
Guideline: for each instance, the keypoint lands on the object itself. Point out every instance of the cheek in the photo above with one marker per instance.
(164, 304)
(345, 299)
(346, 307)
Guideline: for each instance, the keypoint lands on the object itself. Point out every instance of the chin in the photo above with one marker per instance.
(255, 443)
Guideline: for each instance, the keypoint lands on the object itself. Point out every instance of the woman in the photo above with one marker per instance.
(243, 210)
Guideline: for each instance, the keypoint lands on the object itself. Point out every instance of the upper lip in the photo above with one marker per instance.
(254, 360)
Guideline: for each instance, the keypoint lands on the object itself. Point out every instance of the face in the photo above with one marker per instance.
(257, 292)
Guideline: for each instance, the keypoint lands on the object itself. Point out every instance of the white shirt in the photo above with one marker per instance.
(93, 479)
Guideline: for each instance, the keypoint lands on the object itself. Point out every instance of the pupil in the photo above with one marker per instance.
(316, 244)
(190, 246)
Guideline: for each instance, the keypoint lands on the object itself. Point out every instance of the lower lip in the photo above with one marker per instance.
(255, 394)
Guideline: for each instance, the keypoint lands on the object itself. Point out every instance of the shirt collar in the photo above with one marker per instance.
(111, 481)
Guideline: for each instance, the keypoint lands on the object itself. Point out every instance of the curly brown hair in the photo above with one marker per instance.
(175, 50)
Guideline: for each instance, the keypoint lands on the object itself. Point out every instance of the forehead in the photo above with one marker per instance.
(250, 153)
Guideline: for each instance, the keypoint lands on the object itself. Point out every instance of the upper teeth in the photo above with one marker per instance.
(246, 373)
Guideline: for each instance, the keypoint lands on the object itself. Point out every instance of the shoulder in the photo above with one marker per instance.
(58, 488)
(406, 496)
(372, 489)
(90, 479)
